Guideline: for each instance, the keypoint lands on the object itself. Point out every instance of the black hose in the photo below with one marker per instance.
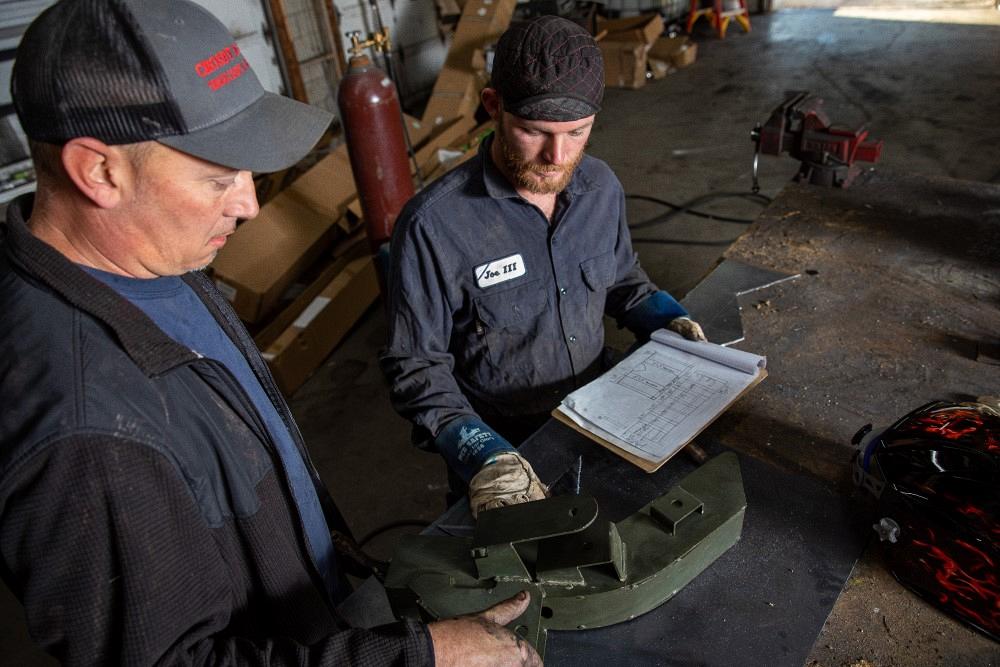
(689, 208)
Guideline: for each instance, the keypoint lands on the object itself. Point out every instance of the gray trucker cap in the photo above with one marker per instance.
(125, 71)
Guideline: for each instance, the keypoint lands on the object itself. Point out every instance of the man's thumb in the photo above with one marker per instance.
(504, 612)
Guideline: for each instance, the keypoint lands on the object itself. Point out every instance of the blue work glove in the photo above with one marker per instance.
(652, 313)
(467, 443)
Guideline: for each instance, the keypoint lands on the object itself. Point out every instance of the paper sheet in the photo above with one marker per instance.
(663, 394)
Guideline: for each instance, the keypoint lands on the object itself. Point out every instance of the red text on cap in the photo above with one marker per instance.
(217, 60)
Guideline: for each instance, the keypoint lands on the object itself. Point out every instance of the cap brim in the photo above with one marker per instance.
(271, 134)
(552, 108)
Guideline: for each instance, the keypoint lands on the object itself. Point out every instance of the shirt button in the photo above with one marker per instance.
(572, 339)
(562, 290)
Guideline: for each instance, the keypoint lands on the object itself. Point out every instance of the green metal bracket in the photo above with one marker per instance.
(582, 571)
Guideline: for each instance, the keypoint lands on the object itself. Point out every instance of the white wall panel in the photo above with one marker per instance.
(417, 43)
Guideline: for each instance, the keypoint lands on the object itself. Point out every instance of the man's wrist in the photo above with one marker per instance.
(652, 313)
(468, 443)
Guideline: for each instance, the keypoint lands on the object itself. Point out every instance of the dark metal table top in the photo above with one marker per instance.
(897, 304)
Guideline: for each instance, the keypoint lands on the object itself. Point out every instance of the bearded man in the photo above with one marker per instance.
(501, 271)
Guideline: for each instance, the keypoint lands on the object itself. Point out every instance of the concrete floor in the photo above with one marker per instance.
(930, 91)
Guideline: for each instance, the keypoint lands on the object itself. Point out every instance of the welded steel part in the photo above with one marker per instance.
(582, 571)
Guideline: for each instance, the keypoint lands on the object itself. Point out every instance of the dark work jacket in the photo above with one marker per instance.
(144, 513)
(491, 307)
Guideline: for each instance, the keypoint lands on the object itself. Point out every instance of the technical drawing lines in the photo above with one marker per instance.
(651, 375)
(674, 403)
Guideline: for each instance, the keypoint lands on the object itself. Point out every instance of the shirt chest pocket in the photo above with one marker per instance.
(598, 275)
(513, 324)
(513, 307)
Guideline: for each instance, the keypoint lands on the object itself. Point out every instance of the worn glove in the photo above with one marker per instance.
(505, 479)
(687, 327)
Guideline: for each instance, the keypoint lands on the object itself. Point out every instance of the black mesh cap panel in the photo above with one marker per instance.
(549, 69)
(83, 70)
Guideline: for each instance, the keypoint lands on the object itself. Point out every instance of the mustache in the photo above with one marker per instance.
(546, 168)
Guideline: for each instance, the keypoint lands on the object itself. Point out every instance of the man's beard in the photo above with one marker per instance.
(521, 170)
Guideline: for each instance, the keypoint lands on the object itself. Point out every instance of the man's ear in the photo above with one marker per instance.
(98, 171)
(491, 102)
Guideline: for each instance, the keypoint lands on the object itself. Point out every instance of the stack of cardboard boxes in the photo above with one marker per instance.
(300, 274)
(633, 47)
(456, 92)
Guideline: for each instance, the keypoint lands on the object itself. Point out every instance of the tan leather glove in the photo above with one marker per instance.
(505, 480)
(687, 327)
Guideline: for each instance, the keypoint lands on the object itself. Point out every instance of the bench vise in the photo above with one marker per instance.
(828, 153)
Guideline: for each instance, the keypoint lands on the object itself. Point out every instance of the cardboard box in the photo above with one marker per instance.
(658, 68)
(328, 186)
(303, 346)
(458, 128)
(318, 277)
(644, 29)
(269, 185)
(455, 94)
(624, 64)
(482, 22)
(459, 150)
(679, 51)
(416, 130)
(264, 256)
(624, 44)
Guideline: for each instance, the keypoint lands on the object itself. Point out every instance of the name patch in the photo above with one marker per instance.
(499, 270)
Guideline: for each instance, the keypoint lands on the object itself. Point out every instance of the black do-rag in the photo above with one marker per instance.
(549, 68)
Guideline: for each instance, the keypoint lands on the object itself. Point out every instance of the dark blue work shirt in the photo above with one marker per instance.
(490, 305)
(178, 311)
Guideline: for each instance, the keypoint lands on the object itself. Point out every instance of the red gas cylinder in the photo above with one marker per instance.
(373, 126)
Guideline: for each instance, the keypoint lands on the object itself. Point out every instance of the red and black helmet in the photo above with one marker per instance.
(937, 474)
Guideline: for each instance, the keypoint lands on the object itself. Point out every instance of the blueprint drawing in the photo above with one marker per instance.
(662, 395)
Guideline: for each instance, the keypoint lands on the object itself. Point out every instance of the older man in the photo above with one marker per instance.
(502, 271)
(157, 504)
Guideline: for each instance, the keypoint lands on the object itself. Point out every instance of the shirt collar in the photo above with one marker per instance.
(498, 187)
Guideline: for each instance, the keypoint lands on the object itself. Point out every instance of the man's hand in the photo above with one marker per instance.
(506, 479)
(687, 327)
(482, 639)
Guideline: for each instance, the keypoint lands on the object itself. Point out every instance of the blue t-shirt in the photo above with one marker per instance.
(178, 311)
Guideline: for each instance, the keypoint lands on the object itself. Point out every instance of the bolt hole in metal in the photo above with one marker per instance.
(573, 511)
(678, 503)
(547, 612)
